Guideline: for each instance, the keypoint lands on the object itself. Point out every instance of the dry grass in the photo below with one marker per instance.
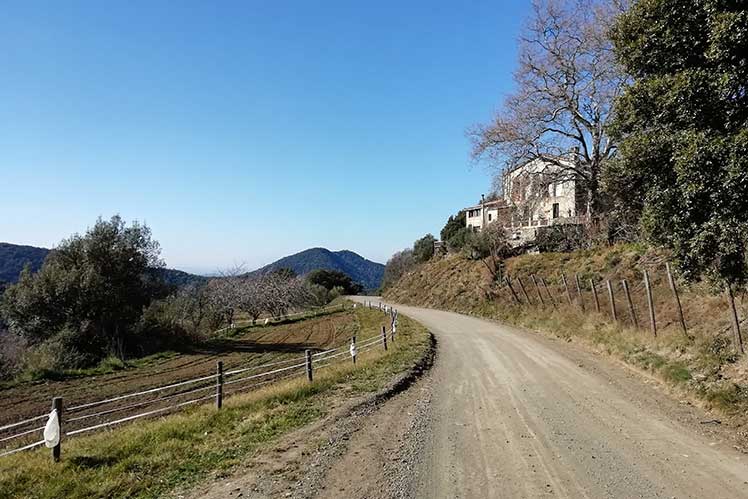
(151, 458)
(704, 365)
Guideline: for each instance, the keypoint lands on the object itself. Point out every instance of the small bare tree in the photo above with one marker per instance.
(249, 298)
(567, 81)
(195, 306)
(224, 291)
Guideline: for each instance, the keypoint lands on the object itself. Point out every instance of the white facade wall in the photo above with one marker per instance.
(533, 208)
(478, 216)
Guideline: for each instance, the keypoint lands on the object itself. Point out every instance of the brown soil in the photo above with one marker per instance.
(259, 345)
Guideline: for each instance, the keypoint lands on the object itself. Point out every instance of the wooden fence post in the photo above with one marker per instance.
(353, 349)
(57, 406)
(650, 303)
(674, 290)
(550, 296)
(737, 338)
(537, 288)
(309, 373)
(579, 292)
(514, 295)
(524, 292)
(612, 298)
(566, 287)
(219, 384)
(384, 338)
(632, 313)
(594, 295)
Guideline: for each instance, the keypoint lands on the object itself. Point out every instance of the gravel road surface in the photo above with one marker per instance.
(511, 413)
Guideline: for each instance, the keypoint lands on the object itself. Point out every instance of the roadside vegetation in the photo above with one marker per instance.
(153, 458)
(704, 364)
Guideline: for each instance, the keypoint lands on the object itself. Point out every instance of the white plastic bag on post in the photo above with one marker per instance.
(52, 430)
(353, 349)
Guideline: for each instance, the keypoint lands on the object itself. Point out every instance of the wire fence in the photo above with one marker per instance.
(161, 400)
(264, 321)
(631, 300)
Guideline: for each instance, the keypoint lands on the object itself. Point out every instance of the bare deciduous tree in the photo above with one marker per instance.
(195, 306)
(567, 81)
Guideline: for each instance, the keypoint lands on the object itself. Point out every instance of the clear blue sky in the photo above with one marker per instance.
(245, 131)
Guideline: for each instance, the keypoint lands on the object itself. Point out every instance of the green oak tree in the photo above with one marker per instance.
(682, 130)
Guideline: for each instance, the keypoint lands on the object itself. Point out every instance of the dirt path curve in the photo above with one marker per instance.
(516, 414)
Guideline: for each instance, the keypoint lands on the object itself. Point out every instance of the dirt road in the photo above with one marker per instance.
(515, 414)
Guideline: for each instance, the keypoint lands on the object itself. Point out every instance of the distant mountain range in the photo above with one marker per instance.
(13, 257)
(365, 272)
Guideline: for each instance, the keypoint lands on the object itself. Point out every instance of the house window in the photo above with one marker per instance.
(489, 217)
(555, 210)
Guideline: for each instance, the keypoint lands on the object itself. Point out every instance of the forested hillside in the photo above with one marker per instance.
(13, 257)
(365, 272)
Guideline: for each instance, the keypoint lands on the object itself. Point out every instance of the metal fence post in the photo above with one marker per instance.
(594, 295)
(632, 312)
(309, 374)
(57, 406)
(674, 289)
(384, 338)
(219, 384)
(612, 298)
(537, 289)
(566, 287)
(514, 295)
(579, 292)
(524, 292)
(548, 291)
(650, 303)
(737, 338)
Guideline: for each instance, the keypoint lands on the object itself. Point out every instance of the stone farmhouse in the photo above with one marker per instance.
(536, 194)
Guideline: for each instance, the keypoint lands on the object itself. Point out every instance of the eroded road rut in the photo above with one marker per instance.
(515, 414)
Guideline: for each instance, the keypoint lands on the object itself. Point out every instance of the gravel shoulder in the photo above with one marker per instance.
(510, 413)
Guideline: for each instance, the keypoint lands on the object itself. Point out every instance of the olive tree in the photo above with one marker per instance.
(95, 286)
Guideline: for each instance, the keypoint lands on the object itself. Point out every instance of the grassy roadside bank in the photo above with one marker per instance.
(154, 457)
(703, 367)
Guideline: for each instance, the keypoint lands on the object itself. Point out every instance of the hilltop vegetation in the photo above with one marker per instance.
(365, 272)
(13, 258)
